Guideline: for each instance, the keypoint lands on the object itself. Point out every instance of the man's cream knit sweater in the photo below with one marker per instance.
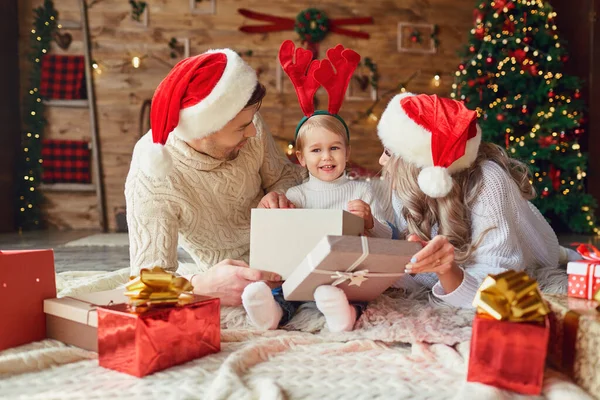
(203, 204)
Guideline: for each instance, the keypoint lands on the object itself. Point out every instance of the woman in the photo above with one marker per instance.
(466, 201)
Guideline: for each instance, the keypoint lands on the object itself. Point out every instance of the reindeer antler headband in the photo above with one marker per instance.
(307, 75)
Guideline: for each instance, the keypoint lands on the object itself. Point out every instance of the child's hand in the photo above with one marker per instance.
(363, 210)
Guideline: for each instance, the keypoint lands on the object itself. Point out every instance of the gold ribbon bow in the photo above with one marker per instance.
(511, 296)
(156, 286)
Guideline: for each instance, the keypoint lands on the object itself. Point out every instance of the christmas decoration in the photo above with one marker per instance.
(29, 170)
(312, 25)
(527, 105)
(137, 9)
(415, 36)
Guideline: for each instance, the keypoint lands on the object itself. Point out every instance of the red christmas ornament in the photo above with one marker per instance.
(524, 110)
(519, 55)
(508, 26)
(472, 49)
(546, 141)
(414, 39)
(555, 177)
(478, 15)
(461, 67)
(565, 58)
(577, 131)
(500, 117)
(577, 94)
(533, 70)
(526, 39)
(499, 4)
(471, 83)
(479, 32)
(489, 60)
(545, 193)
(551, 93)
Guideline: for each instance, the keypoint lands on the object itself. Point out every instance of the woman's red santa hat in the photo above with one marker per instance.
(438, 135)
(198, 97)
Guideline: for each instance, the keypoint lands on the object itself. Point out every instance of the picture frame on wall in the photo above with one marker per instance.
(360, 88)
(417, 38)
(180, 48)
(140, 13)
(203, 6)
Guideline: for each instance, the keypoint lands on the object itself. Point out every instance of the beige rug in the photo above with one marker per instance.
(101, 239)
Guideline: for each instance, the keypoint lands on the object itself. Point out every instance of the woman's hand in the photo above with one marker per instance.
(436, 256)
(275, 200)
(363, 210)
(228, 279)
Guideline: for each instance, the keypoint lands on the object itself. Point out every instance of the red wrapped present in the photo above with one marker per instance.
(62, 77)
(510, 334)
(584, 276)
(26, 280)
(163, 325)
(66, 161)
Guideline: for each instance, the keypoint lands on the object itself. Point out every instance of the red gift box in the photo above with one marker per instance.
(161, 337)
(584, 279)
(508, 355)
(26, 280)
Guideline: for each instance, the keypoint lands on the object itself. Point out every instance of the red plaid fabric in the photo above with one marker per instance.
(66, 161)
(63, 77)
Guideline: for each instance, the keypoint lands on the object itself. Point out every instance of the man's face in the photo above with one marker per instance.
(226, 143)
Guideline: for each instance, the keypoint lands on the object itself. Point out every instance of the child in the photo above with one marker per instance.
(322, 140)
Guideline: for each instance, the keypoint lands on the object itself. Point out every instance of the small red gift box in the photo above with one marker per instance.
(142, 343)
(26, 280)
(508, 355)
(510, 334)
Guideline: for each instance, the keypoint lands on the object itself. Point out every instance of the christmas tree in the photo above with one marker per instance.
(512, 75)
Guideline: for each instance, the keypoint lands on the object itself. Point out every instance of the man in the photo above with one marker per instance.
(207, 161)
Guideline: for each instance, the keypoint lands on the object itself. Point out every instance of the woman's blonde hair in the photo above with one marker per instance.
(327, 122)
(452, 213)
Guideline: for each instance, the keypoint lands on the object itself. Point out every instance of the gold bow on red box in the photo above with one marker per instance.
(156, 287)
(511, 296)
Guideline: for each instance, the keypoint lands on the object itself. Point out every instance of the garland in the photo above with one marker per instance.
(29, 171)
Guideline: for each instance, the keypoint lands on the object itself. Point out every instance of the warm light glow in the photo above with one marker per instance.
(135, 61)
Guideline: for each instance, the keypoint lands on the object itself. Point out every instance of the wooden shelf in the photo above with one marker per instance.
(70, 24)
(67, 103)
(68, 187)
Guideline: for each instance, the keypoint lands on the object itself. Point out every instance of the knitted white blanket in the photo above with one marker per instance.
(402, 348)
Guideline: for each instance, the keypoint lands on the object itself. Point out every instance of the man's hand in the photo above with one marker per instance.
(363, 210)
(275, 200)
(228, 279)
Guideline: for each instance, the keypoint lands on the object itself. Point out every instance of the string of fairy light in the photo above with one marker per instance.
(549, 109)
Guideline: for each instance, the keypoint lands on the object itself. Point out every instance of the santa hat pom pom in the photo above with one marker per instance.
(156, 161)
(435, 182)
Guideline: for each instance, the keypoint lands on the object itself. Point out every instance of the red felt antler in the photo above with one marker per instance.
(336, 82)
(301, 74)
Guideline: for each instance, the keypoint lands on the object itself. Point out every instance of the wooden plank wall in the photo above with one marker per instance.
(121, 89)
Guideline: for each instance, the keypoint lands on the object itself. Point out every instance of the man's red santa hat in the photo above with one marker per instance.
(438, 135)
(198, 97)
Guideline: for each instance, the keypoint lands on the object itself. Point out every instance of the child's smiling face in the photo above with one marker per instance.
(324, 153)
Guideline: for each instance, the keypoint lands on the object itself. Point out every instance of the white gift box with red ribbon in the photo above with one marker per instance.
(584, 275)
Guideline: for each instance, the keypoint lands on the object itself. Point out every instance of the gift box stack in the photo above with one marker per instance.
(162, 324)
(510, 334)
(575, 323)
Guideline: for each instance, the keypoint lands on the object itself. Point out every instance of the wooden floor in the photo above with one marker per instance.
(110, 258)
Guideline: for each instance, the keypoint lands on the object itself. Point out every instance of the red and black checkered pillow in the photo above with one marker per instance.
(66, 161)
(63, 77)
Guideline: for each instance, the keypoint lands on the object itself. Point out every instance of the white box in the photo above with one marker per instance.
(281, 238)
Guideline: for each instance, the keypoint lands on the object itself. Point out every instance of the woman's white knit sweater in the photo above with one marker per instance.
(521, 238)
(204, 204)
(318, 194)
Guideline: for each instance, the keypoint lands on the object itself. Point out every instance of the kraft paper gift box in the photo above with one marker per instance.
(575, 340)
(510, 334)
(141, 343)
(74, 320)
(26, 280)
(362, 267)
(281, 238)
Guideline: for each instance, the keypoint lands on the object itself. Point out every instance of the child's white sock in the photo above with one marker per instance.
(262, 309)
(333, 303)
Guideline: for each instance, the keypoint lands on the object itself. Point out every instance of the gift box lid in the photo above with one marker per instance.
(581, 268)
(83, 308)
(125, 309)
